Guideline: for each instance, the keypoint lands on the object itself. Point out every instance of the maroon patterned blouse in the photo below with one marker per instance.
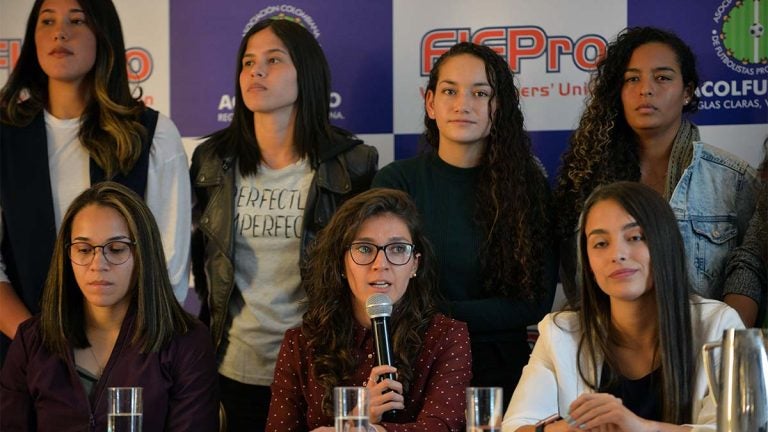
(434, 402)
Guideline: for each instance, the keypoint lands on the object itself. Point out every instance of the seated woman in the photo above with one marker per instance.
(109, 319)
(373, 244)
(628, 358)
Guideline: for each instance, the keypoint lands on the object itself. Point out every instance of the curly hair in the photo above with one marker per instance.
(110, 130)
(603, 147)
(328, 323)
(512, 193)
(674, 346)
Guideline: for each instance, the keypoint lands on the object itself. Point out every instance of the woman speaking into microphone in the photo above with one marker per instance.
(373, 245)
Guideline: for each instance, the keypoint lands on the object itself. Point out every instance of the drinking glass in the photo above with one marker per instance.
(350, 409)
(125, 409)
(484, 409)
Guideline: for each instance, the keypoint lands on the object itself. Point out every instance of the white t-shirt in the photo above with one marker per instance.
(167, 194)
(269, 210)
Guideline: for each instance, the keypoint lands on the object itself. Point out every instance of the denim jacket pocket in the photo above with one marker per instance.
(713, 240)
(716, 232)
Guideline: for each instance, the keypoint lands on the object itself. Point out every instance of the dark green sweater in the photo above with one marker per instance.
(445, 196)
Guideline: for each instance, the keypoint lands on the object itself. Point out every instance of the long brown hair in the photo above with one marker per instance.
(670, 281)
(513, 199)
(329, 322)
(158, 315)
(110, 128)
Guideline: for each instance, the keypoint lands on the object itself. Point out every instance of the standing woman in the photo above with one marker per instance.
(109, 319)
(264, 186)
(627, 359)
(634, 128)
(485, 203)
(68, 120)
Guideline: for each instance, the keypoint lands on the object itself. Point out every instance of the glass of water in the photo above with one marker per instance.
(125, 409)
(484, 409)
(350, 409)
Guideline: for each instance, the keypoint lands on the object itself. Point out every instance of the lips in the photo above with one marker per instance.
(256, 87)
(646, 108)
(623, 273)
(380, 285)
(60, 52)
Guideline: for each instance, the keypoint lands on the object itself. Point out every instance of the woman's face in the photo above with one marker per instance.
(103, 284)
(617, 251)
(380, 276)
(654, 94)
(66, 46)
(268, 80)
(459, 103)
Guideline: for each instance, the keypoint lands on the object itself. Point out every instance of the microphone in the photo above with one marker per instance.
(379, 309)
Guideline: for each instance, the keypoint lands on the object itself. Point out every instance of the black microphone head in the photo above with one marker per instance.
(378, 305)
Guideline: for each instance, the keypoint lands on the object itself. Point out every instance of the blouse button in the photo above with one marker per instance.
(370, 355)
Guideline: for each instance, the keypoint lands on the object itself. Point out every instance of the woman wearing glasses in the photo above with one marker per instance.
(109, 319)
(373, 244)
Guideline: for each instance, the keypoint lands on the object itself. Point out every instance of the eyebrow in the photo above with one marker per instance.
(269, 51)
(658, 69)
(477, 84)
(599, 231)
(396, 239)
(73, 10)
(118, 237)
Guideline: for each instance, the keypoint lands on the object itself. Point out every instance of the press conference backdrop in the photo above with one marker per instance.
(181, 53)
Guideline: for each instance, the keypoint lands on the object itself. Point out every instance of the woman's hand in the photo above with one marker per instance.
(604, 412)
(385, 395)
(325, 429)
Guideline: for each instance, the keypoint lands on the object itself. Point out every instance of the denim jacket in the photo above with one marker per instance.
(713, 202)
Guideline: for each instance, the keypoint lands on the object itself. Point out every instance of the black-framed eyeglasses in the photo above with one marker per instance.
(116, 252)
(398, 253)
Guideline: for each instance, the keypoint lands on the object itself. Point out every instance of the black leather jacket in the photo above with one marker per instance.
(342, 171)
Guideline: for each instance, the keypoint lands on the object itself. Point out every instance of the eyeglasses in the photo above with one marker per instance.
(115, 252)
(364, 253)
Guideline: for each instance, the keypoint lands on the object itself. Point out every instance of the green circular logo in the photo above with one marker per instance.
(744, 33)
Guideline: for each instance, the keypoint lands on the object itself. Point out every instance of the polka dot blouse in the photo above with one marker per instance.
(434, 402)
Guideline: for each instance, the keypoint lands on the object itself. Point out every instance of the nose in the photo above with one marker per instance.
(99, 259)
(646, 87)
(257, 71)
(619, 254)
(381, 260)
(60, 33)
(461, 103)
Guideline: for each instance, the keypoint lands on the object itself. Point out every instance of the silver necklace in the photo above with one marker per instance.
(98, 364)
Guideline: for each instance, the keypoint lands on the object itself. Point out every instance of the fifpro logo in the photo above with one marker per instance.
(740, 36)
(517, 44)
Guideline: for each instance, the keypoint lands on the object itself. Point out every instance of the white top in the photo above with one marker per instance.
(267, 300)
(167, 194)
(551, 380)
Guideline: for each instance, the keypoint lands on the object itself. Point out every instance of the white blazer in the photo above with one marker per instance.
(551, 380)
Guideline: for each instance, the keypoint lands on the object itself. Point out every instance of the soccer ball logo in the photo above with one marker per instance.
(756, 30)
